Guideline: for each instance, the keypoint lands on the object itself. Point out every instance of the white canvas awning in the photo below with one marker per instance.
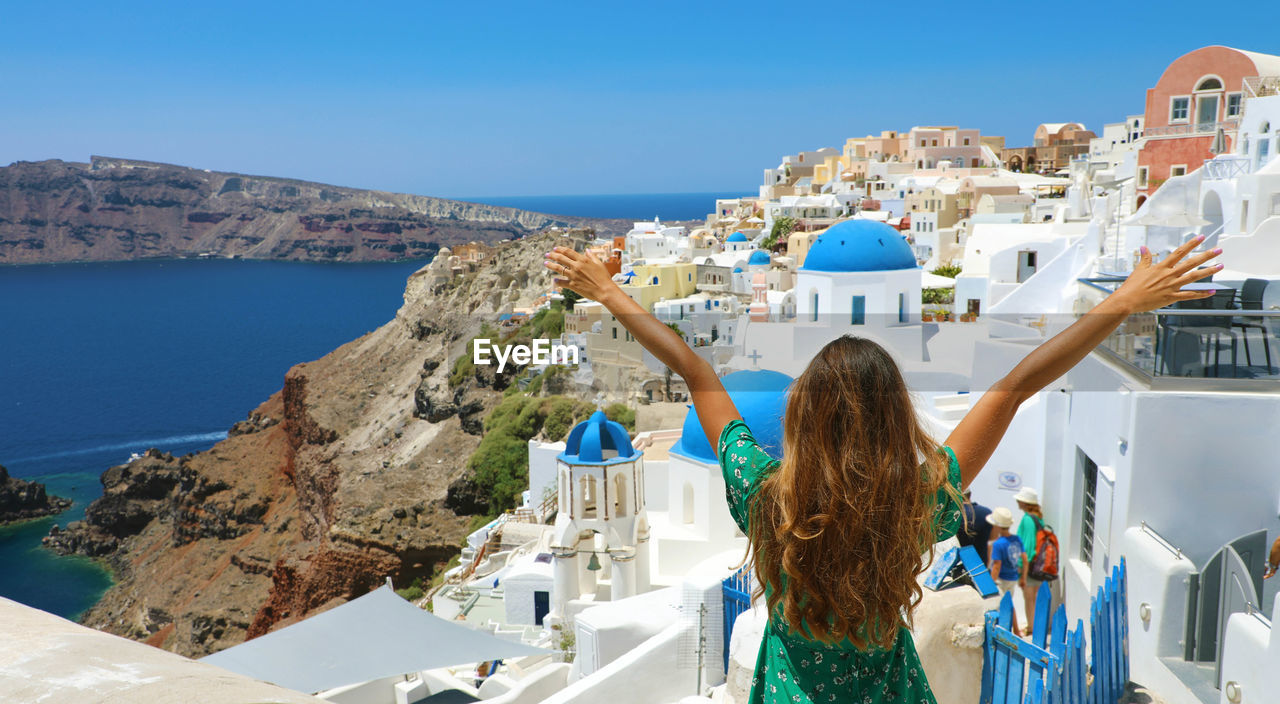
(928, 279)
(377, 635)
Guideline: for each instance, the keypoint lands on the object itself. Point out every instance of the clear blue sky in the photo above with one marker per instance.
(535, 98)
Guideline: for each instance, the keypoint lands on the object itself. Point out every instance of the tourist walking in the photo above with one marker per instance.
(1007, 565)
(1028, 529)
(976, 530)
(838, 524)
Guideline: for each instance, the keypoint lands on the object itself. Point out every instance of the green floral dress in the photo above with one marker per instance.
(791, 668)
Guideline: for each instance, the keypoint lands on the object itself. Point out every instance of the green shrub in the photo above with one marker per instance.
(937, 295)
(500, 464)
(621, 413)
(560, 418)
(950, 270)
(413, 592)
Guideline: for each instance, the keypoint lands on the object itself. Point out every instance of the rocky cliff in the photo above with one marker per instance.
(336, 482)
(21, 499)
(117, 209)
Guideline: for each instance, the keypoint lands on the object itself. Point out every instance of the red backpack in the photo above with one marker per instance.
(1045, 565)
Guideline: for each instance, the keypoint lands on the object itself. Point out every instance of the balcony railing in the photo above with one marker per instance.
(1214, 344)
(1259, 86)
(1226, 167)
(1192, 129)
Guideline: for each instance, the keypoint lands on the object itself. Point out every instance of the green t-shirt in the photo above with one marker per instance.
(1027, 534)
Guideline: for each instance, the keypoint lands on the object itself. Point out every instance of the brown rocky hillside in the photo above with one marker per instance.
(331, 485)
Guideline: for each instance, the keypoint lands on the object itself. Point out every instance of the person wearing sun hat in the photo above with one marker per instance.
(1032, 519)
(1007, 565)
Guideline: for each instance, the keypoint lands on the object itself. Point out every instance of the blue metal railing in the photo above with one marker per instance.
(737, 599)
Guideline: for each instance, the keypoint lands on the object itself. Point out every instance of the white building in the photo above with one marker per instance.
(653, 240)
(856, 270)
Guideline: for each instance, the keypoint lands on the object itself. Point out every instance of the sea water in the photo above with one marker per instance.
(99, 361)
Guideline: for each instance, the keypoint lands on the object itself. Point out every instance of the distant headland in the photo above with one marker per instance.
(114, 209)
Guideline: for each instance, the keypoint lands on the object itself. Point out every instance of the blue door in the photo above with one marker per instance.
(859, 316)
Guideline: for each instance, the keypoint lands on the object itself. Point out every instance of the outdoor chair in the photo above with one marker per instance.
(1213, 327)
(1251, 299)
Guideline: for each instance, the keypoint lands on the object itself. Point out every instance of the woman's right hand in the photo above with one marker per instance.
(1153, 286)
(581, 272)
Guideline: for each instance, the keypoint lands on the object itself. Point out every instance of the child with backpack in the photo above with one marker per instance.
(1007, 565)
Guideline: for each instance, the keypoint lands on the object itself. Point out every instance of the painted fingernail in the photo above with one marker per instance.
(1218, 266)
(1145, 250)
(1216, 250)
(1199, 238)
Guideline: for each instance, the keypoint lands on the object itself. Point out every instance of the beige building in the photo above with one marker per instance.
(974, 187)
(1054, 146)
(943, 203)
(1020, 204)
(584, 315)
(889, 146)
(798, 244)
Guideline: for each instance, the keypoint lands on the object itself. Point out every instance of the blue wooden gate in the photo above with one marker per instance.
(737, 598)
(1051, 668)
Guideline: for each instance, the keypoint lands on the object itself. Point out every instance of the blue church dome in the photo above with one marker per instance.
(592, 438)
(761, 398)
(737, 237)
(859, 245)
(759, 257)
(737, 270)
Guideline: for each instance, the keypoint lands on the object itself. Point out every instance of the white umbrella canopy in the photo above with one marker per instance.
(1219, 144)
(929, 279)
(755, 220)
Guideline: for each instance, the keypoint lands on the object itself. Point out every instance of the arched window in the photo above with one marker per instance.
(620, 495)
(588, 483)
(566, 497)
(1209, 83)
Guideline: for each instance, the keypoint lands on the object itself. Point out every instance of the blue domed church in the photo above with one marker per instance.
(858, 272)
(600, 489)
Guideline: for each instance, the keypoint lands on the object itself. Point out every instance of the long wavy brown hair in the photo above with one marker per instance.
(849, 514)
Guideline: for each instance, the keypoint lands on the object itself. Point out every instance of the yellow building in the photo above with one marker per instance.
(656, 282)
(830, 168)
(798, 244)
(934, 200)
(855, 148)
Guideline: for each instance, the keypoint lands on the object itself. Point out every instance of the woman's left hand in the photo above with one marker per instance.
(581, 272)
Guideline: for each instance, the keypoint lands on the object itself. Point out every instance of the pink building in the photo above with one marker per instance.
(1199, 94)
(927, 147)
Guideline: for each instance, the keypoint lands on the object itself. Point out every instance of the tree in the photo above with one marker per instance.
(782, 227)
(571, 297)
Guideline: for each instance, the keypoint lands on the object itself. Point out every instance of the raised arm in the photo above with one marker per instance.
(1150, 286)
(585, 274)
